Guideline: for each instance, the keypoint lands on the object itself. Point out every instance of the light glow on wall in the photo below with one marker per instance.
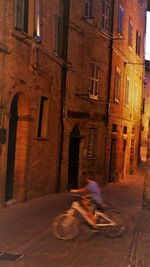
(147, 48)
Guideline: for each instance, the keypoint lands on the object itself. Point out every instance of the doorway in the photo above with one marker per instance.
(131, 169)
(18, 147)
(73, 165)
(11, 149)
(124, 158)
(112, 161)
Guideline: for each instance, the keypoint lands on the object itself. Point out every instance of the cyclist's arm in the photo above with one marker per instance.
(80, 190)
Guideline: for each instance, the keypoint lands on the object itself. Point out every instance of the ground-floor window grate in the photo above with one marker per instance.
(10, 256)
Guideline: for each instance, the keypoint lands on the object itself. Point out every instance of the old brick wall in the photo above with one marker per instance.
(31, 70)
(130, 65)
(145, 113)
(87, 43)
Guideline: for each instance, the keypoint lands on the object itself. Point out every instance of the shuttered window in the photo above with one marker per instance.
(43, 118)
(138, 44)
(135, 97)
(117, 85)
(127, 91)
(91, 153)
(58, 35)
(130, 33)
(120, 19)
(94, 80)
(28, 17)
(105, 15)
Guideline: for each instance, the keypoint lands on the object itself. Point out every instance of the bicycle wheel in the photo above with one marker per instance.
(65, 226)
(115, 230)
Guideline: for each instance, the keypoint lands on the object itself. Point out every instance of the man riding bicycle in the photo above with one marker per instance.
(92, 198)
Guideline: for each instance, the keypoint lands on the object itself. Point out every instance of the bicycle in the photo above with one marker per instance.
(67, 225)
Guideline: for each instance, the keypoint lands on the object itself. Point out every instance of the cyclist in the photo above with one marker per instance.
(92, 198)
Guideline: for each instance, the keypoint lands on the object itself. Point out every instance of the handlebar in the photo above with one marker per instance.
(77, 196)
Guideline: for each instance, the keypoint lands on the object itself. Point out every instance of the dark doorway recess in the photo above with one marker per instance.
(73, 158)
(11, 149)
(112, 161)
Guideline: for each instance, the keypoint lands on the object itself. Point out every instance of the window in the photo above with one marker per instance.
(88, 8)
(130, 33)
(28, 17)
(127, 89)
(141, 2)
(114, 128)
(138, 43)
(91, 153)
(125, 129)
(117, 85)
(105, 15)
(94, 73)
(133, 130)
(120, 20)
(143, 106)
(58, 35)
(43, 118)
(135, 103)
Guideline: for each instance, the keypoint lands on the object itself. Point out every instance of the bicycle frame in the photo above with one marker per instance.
(77, 207)
(106, 218)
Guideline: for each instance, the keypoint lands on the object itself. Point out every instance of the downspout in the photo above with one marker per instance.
(4, 50)
(106, 173)
(110, 63)
(63, 87)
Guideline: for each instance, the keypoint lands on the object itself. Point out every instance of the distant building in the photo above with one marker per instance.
(126, 85)
(71, 80)
(145, 113)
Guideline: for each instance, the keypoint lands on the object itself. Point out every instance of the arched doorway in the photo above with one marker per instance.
(11, 149)
(73, 158)
(18, 142)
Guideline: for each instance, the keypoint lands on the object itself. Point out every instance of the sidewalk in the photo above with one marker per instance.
(25, 229)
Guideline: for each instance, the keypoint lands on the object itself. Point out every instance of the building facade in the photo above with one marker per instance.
(71, 79)
(30, 99)
(145, 146)
(126, 85)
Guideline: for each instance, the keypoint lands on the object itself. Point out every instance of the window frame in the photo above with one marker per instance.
(135, 97)
(94, 81)
(92, 140)
(138, 44)
(127, 92)
(117, 85)
(88, 9)
(30, 18)
(105, 22)
(130, 33)
(58, 35)
(120, 20)
(143, 105)
(141, 2)
(43, 117)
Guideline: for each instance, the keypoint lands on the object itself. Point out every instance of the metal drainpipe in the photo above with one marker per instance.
(109, 85)
(110, 62)
(63, 88)
(2, 103)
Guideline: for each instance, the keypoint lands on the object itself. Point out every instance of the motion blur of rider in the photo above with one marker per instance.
(92, 197)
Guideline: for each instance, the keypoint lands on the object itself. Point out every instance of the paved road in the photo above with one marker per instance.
(26, 229)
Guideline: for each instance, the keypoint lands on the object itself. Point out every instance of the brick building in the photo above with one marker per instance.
(145, 113)
(69, 76)
(30, 77)
(126, 84)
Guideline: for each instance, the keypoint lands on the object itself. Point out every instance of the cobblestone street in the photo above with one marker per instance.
(26, 229)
